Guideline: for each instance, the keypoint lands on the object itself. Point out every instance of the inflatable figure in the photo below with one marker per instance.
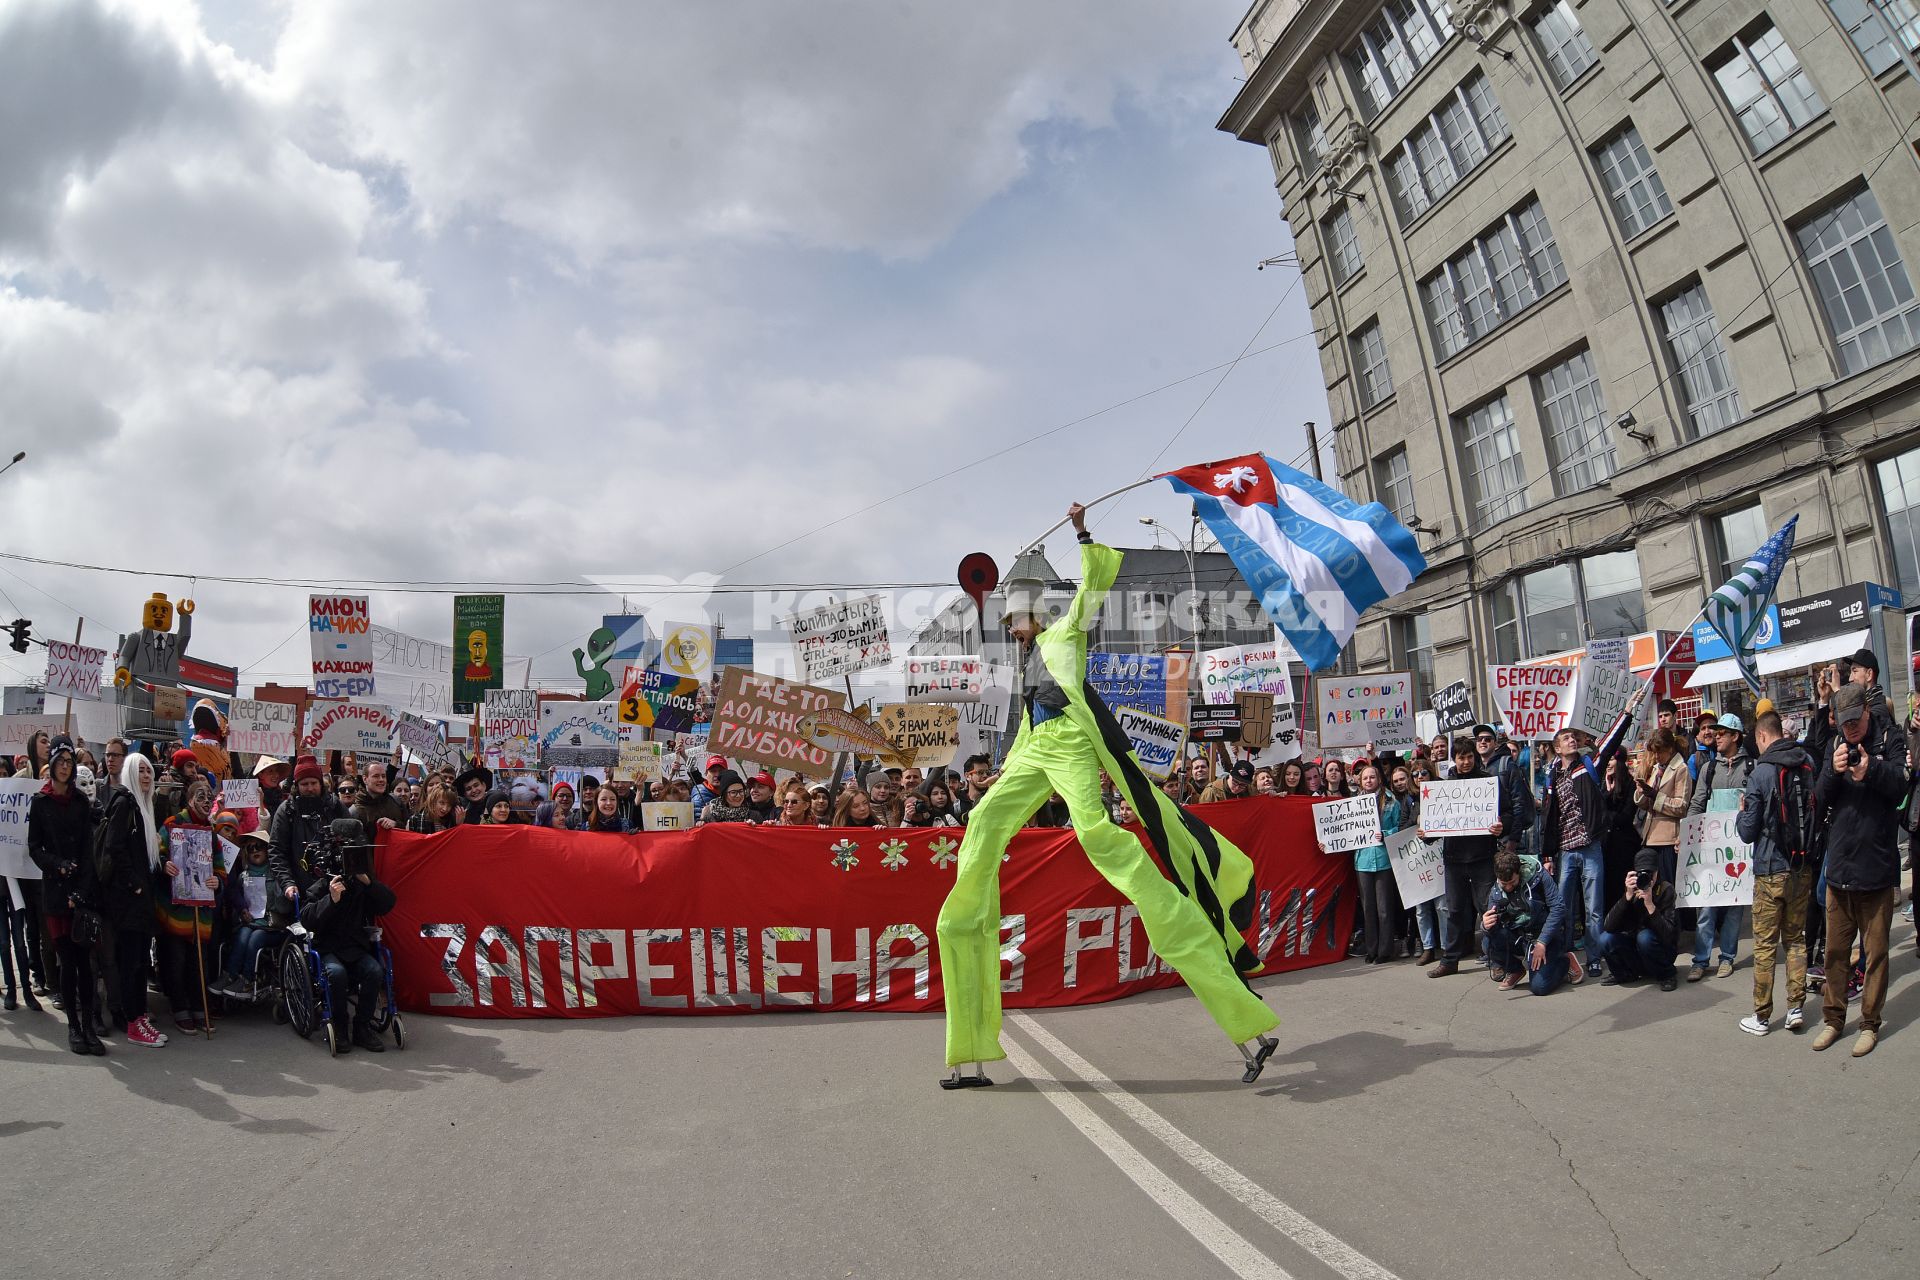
(600, 646)
(149, 660)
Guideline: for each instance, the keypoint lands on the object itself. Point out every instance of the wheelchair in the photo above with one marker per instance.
(303, 998)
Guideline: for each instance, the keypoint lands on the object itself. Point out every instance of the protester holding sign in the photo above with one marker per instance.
(1469, 863)
(185, 928)
(1379, 900)
(60, 842)
(1717, 788)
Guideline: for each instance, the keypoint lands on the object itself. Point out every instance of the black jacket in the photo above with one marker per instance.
(296, 824)
(60, 842)
(340, 928)
(1861, 817)
(1629, 916)
(1761, 800)
(1461, 850)
(126, 896)
(1590, 796)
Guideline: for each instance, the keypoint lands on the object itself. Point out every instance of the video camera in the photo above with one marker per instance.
(344, 851)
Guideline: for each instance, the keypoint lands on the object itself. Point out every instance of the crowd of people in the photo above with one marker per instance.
(1575, 881)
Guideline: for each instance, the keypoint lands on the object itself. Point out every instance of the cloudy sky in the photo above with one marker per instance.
(523, 292)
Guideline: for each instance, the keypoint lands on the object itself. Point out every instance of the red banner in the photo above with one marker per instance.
(517, 922)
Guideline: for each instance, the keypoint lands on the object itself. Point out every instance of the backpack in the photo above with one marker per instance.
(1793, 825)
(102, 851)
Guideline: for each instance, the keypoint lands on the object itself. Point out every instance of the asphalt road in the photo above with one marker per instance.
(1407, 1127)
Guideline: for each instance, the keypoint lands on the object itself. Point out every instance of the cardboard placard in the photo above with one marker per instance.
(1157, 741)
(1353, 711)
(1418, 869)
(262, 728)
(1459, 806)
(1256, 719)
(757, 717)
(841, 638)
(1343, 825)
(666, 815)
(925, 734)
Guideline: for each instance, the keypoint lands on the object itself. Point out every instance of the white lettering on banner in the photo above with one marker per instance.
(1418, 869)
(1156, 740)
(1715, 864)
(945, 679)
(1535, 702)
(1453, 708)
(1341, 826)
(15, 795)
(1459, 806)
(842, 638)
(362, 727)
(1245, 668)
(1357, 710)
(262, 728)
(74, 670)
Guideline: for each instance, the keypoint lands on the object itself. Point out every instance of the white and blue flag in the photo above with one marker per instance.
(1314, 558)
(1738, 609)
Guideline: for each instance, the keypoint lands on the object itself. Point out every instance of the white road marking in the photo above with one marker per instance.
(1284, 1218)
(1219, 1239)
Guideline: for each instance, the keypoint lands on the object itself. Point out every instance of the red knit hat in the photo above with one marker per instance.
(307, 767)
(182, 757)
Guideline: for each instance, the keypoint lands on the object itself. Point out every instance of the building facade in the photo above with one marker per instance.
(1605, 290)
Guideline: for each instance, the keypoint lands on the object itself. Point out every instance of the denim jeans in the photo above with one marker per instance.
(1429, 920)
(368, 981)
(1640, 955)
(1717, 925)
(1505, 951)
(248, 941)
(1583, 873)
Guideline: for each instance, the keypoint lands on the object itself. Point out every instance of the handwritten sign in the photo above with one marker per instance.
(842, 638)
(17, 731)
(1256, 718)
(757, 717)
(1157, 741)
(1341, 826)
(927, 735)
(1715, 866)
(1153, 682)
(1453, 707)
(242, 795)
(262, 728)
(191, 850)
(640, 760)
(74, 670)
(1603, 695)
(509, 725)
(1243, 668)
(1611, 651)
(363, 727)
(1459, 806)
(1418, 869)
(582, 734)
(418, 735)
(342, 644)
(15, 795)
(1535, 702)
(1286, 736)
(945, 679)
(661, 700)
(1356, 710)
(666, 815)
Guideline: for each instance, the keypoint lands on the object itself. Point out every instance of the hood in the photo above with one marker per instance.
(1787, 753)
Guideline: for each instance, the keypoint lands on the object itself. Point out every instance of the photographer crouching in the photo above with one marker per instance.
(1526, 924)
(339, 909)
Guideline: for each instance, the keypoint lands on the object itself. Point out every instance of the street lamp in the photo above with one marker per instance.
(1193, 584)
(16, 458)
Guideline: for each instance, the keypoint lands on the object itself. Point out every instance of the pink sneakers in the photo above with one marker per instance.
(140, 1031)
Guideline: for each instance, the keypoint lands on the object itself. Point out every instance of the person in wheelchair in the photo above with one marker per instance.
(245, 899)
(339, 909)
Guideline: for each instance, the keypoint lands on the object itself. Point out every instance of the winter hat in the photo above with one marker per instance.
(227, 818)
(1866, 658)
(307, 767)
(558, 787)
(60, 743)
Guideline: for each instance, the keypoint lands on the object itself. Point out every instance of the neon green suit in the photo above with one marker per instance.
(1194, 891)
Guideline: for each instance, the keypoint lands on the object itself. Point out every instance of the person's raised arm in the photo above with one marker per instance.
(1099, 566)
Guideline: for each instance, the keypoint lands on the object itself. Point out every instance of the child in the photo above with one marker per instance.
(245, 901)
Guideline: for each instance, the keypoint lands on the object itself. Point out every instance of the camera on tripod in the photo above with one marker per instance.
(344, 851)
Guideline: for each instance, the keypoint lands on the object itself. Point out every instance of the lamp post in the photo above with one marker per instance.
(1193, 583)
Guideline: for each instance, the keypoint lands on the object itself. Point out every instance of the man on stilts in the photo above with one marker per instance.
(1194, 889)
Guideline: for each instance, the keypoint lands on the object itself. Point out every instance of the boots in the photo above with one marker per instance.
(77, 1035)
(90, 1014)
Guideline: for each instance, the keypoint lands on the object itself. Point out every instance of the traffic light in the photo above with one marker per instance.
(21, 629)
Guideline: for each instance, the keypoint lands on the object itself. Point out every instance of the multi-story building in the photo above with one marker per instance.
(1605, 290)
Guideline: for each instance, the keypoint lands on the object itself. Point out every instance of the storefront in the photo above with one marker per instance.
(1798, 638)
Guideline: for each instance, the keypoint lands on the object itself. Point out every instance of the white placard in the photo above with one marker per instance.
(1353, 711)
(418, 735)
(1715, 866)
(1341, 826)
(1156, 741)
(842, 638)
(686, 650)
(15, 795)
(15, 731)
(342, 645)
(945, 679)
(365, 728)
(1418, 869)
(1535, 702)
(1611, 651)
(1245, 668)
(1603, 695)
(580, 734)
(74, 670)
(1459, 806)
(262, 728)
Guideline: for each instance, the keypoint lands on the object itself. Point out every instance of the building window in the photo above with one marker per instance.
(1393, 482)
(1867, 22)
(1633, 184)
(1401, 40)
(1512, 265)
(1370, 369)
(1563, 606)
(1900, 494)
(1568, 51)
(1738, 534)
(1494, 465)
(1693, 343)
(1575, 418)
(1445, 147)
(1765, 85)
(1310, 138)
(1343, 247)
(1413, 652)
(1863, 284)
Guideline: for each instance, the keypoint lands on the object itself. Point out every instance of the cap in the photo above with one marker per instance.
(716, 762)
(1865, 658)
(1731, 723)
(1482, 728)
(1849, 704)
(1646, 862)
(762, 779)
(1763, 706)
(1243, 771)
(1705, 717)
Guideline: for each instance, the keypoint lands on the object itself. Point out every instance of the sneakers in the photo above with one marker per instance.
(1754, 1025)
(1864, 1042)
(141, 1032)
(1725, 970)
(1796, 1019)
(1855, 985)
(1696, 973)
(1816, 974)
(1445, 969)
(1669, 982)
(1509, 981)
(1825, 1040)
(1906, 912)
(369, 1039)
(1576, 972)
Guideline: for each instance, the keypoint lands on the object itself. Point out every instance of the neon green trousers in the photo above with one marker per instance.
(1057, 757)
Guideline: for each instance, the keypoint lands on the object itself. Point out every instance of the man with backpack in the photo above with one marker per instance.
(1776, 818)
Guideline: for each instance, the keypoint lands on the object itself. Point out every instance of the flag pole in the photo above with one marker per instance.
(1034, 542)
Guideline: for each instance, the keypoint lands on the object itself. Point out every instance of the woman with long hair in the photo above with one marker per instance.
(1334, 779)
(1379, 898)
(437, 812)
(730, 805)
(939, 805)
(1293, 779)
(1400, 811)
(60, 842)
(606, 815)
(1661, 783)
(793, 804)
(855, 810)
(132, 841)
